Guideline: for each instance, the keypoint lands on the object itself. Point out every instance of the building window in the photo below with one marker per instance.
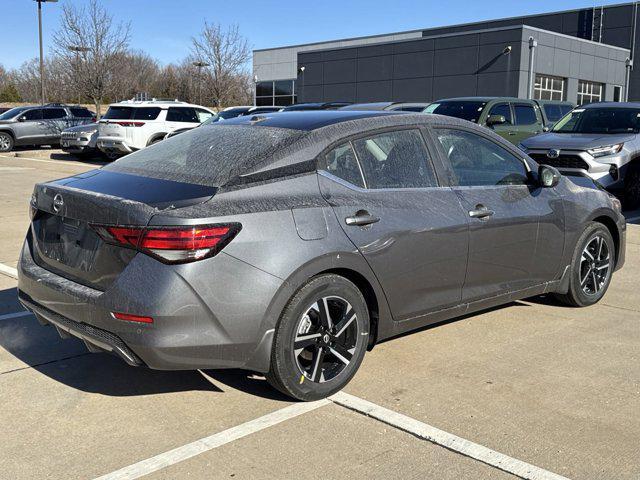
(547, 87)
(589, 92)
(279, 92)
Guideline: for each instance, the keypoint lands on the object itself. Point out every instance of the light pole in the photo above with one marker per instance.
(78, 49)
(200, 65)
(40, 2)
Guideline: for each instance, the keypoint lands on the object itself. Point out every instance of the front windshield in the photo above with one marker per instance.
(599, 121)
(466, 110)
(9, 114)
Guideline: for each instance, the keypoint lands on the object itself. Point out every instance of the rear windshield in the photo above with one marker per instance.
(208, 155)
(132, 113)
(460, 109)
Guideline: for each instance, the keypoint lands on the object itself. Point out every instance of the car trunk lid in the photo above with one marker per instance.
(64, 241)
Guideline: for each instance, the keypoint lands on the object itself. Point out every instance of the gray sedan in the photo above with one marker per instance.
(290, 244)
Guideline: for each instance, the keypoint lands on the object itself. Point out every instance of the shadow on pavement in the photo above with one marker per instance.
(248, 382)
(69, 362)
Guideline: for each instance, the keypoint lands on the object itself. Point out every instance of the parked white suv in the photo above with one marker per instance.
(131, 125)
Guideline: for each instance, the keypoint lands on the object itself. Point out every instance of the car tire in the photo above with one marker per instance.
(632, 187)
(312, 357)
(6, 142)
(591, 267)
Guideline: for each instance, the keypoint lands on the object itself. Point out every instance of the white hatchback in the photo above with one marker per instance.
(132, 125)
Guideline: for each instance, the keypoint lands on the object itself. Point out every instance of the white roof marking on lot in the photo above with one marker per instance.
(447, 440)
(192, 449)
(8, 271)
(9, 316)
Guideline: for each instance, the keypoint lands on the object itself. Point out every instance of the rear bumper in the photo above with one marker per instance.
(113, 144)
(216, 313)
(93, 337)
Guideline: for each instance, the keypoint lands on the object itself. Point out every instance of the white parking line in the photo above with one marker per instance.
(8, 271)
(9, 316)
(190, 450)
(58, 162)
(444, 439)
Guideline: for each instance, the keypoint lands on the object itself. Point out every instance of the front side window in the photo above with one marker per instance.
(341, 162)
(35, 114)
(396, 159)
(589, 92)
(525, 114)
(504, 110)
(547, 87)
(477, 161)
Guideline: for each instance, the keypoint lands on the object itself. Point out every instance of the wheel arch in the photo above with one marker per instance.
(612, 227)
(9, 132)
(156, 136)
(369, 294)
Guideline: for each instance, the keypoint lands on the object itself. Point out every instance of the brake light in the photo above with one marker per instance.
(130, 124)
(131, 318)
(171, 244)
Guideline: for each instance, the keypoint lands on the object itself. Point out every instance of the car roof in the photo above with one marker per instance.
(306, 119)
(367, 106)
(479, 99)
(611, 105)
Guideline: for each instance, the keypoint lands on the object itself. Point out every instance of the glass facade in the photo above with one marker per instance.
(278, 92)
(547, 87)
(589, 92)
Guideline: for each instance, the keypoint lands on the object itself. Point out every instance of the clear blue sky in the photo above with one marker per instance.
(163, 28)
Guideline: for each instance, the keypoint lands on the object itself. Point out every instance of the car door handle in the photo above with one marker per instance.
(481, 212)
(361, 218)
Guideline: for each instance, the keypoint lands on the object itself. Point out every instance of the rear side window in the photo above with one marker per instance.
(35, 114)
(477, 161)
(525, 114)
(341, 162)
(132, 113)
(182, 114)
(396, 159)
(504, 110)
(81, 112)
(53, 113)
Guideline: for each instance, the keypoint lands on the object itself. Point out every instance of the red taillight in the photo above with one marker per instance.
(171, 244)
(130, 124)
(131, 318)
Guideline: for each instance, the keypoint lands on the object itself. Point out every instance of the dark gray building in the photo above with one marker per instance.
(580, 55)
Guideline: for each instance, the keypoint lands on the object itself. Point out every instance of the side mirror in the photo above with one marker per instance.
(496, 120)
(545, 129)
(22, 118)
(548, 177)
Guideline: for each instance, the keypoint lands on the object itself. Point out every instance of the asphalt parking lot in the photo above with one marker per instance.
(535, 388)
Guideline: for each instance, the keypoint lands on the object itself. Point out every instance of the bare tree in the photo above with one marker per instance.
(227, 52)
(91, 27)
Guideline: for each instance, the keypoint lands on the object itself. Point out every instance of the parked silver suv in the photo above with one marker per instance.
(39, 125)
(600, 140)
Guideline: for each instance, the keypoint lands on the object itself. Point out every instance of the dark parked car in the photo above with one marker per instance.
(512, 118)
(315, 106)
(553, 110)
(291, 244)
(39, 125)
(388, 106)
